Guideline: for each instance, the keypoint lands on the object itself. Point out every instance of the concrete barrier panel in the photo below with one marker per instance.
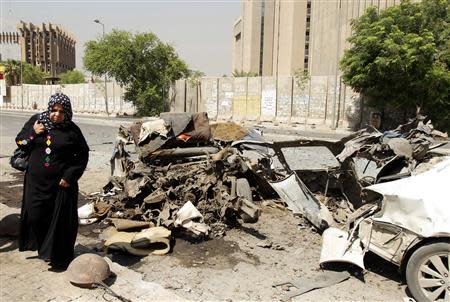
(300, 102)
(352, 111)
(317, 108)
(268, 99)
(180, 96)
(208, 97)
(240, 98)
(226, 95)
(191, 97)
(319, 99)
(253, 98)
(284, 99)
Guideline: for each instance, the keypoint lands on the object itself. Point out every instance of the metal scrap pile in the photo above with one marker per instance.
(185, 176)
(369, 156)
(203, 177)
(400, 187)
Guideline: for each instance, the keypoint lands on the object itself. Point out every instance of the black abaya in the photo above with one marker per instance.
(49, 218)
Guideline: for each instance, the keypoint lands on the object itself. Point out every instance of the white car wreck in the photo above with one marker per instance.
(407, 222)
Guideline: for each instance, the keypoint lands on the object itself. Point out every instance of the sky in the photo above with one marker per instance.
(200, 31)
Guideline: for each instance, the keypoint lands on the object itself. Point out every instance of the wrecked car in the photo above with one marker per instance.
(182, 175)
(406, 222)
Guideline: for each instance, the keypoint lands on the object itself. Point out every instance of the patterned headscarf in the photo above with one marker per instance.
(64, 101)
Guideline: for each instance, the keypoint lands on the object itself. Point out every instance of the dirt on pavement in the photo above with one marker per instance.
(243, 265)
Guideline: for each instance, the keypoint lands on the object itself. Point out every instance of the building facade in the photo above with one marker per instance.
(47, 46)
(279, 37)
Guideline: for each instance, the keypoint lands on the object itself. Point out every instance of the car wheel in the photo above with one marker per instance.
(428, 272)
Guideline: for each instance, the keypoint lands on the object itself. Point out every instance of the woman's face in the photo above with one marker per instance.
(57, 114)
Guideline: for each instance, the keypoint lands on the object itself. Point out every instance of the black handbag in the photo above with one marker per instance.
(19, 160)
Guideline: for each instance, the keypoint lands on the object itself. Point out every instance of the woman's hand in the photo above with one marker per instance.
(63, 183)
(38, 127)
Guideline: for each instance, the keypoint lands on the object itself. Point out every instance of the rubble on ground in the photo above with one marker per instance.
(188, 173)
(371, 190)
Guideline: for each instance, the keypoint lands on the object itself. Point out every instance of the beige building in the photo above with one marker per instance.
(47, 46)
(277, 37)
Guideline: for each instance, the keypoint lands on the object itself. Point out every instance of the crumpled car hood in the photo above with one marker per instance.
(420, 203)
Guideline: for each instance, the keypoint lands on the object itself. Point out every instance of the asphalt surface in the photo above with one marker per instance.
(101, 130)
(99, 133)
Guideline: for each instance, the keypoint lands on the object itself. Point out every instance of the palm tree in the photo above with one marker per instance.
(239, 74)
(12, 72)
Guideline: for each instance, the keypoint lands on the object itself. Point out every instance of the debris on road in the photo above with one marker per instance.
(316, 281)
(204, 178)
(186, 176)
(406, 222)
(88, 270)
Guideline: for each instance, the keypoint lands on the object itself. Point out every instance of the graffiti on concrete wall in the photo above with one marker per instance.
(277, 99)
(88, 98)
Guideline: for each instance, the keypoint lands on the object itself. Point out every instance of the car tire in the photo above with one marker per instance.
(243, 189)
(427, 272)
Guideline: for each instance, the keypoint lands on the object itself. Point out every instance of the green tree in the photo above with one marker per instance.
(301, 78)
(31, 74)
(72, 77)
(12, 72)
(195, 77)
(400, 57)
(141, 62)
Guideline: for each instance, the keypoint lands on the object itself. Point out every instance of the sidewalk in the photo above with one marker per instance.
(25, 278)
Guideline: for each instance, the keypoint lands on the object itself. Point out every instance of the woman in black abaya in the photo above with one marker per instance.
(58, 157)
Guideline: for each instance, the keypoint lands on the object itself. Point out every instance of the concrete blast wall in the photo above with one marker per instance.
(88, 98)
(322, 100)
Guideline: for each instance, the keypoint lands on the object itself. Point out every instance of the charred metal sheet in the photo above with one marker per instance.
(184, 152)
(178, 121)
(316, 281)
(147, 149)
(364, 141)
(301, 201)
(309, 158)
(366, 169)
(401, 147)
(120, 159)
(134, 187)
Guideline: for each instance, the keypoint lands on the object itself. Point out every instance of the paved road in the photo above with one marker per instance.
(100, 131)
(97, 131)
(100, 134)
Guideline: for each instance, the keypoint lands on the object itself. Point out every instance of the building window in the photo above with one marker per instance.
(237, 37)
(307, 35)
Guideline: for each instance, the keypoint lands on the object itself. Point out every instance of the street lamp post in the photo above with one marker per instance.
(21, 80)
(106, 95)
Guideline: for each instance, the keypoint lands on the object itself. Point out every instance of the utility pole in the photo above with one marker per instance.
(106, 90)
(21, 81)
